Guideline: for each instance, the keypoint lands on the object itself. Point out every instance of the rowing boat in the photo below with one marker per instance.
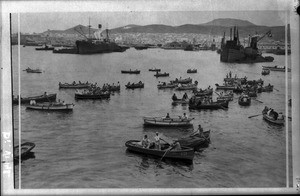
(244, 100)
(163, 86)
(212, 105)
(184, 153)
(276, 68)
(167, 122)
(76, 85)
(51, 106)
(180, 101)
(183, 81)
(26, 148)
(272, 120)
(92, 96)
(37, 99)
(161, 74)
(192, 71)
(205, 92)
(196, 141)
(187, 87)
(133, 85)
(28, 70)
(225, 87)
(130, 71)
(155, 69)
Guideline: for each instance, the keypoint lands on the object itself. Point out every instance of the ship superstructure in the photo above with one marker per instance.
(234, 52)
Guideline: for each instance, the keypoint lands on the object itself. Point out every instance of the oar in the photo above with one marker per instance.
(255, 115)
(217, 93)
(258, 100)
(275, 89)
(166, 153)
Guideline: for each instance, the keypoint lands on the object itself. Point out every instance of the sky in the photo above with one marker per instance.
(40, 22)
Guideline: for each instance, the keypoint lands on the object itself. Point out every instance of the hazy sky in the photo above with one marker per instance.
(40, 22)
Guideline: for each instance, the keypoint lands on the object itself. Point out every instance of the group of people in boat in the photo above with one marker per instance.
(157, 144)
(132, 84)
(270, 112)
(205, 100)
(184, 97)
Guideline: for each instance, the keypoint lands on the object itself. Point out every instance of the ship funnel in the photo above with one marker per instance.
(230, 34)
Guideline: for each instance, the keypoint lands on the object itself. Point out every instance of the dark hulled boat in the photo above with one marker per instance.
(92, 96)
(131, 71)
(134, 85)
(196, 141)
(244, 100)
(233, 52)
(26, 148)
(184, 153)
(37, 99)
(97, 44)
(212, 105)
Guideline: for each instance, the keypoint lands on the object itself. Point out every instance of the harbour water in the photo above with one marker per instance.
(85, 148)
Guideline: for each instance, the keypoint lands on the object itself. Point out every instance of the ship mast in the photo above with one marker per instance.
(89, 28)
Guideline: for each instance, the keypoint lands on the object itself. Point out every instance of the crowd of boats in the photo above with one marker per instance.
(182, 148)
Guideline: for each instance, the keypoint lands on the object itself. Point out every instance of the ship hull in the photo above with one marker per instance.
(237, 56)
(85, 47)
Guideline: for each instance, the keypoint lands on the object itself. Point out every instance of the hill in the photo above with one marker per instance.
(228, 22)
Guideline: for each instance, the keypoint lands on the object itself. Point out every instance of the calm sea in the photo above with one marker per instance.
(85, 148)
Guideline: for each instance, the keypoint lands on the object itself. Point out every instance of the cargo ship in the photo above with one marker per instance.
(233, 52)
(99, 44)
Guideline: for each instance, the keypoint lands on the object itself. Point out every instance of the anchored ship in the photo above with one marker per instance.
(233, 52)
(99, 44)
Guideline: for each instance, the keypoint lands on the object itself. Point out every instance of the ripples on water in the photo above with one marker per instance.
(85, 148)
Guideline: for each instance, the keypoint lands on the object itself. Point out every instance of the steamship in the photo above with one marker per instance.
(233, 52)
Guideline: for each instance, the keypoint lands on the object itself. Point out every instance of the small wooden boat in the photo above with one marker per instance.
(206, 92)
(187, 87)
(45, 47)
(255, 82)
(130, 71)
(167, 122)
(272, 120)
(191, 71)
(37, 99)
(252, 93)
(161, 74)
(268, 88)
(164, 85)
(196, 141)
(225, 87)
(276, 68)
(184, 153)
(244, 100)
(92, 96)
(226, 97)
(236, 80)
(26, 148)
(265, 72)
(114, 88)
(180, 101)
(29, 70)
(183, 81)
(135, 85)
(74, 85)
(212, 105)
(155, 69)
(57, 106)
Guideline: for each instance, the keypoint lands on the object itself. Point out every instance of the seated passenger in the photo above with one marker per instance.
(145, 142)
(174, 97)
